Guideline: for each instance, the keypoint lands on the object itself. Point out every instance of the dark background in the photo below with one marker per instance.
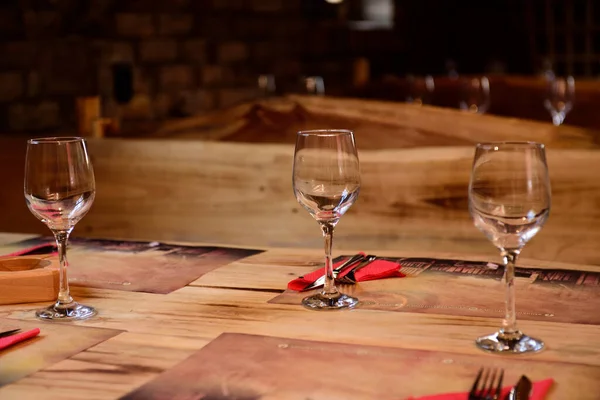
(191, 56)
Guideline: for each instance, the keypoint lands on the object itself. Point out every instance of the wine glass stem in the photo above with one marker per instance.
(329, 287)
(557, 118)
(509, 324)
(64, 297)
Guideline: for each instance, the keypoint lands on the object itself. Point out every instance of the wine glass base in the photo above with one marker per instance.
(71, 312)
(321, 302)
(514, 344)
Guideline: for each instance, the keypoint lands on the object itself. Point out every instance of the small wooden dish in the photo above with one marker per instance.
(28, 279)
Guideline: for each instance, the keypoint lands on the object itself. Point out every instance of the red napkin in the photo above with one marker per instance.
(538, 392)
(44, 248)
(377, 269)
(19, 337)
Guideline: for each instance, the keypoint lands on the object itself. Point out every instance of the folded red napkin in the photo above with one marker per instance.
(44, 248)
(377, 269)
(538, 392)
(19, 337)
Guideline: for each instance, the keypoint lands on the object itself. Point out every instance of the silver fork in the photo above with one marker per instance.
(490, 387)
(350, 277)
(347, 264)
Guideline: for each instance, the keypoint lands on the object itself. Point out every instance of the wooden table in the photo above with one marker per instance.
(410, 199)
(377, 124)
(160, 331)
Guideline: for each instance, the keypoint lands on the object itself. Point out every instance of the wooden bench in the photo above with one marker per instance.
(239, 193)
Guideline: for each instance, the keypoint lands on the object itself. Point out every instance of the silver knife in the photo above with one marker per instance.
(522, 391)
(350, 277)
(348, 263)
(9, 332)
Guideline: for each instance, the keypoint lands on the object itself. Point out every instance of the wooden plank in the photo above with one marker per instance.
(410, 200)
(207, 312)
(378, 124)
(107, 371)
(196, 314)
(272, 270)
(162, 330)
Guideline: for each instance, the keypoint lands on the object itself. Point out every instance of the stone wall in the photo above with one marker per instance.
(188, 56)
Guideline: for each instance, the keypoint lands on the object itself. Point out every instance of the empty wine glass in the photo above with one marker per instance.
(475, 95)
(509, 200)
(59, 190)
(451, 69)
(560, 96)
(326, 181)
(420, 89)
(314, 85)
(266, 85)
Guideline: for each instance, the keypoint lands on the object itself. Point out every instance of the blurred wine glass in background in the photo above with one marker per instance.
(420, 89)
(266, 85)
(547, 71)
(451, 69)
(475, 95)
(560, 95)
(314, 85)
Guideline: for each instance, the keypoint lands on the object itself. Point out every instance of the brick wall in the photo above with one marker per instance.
(188, 56)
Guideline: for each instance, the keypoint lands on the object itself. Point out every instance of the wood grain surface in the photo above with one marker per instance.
(28, 279)
(321, 370)
(241, 194)
(163, 330)
(377, 124)
(56, 342)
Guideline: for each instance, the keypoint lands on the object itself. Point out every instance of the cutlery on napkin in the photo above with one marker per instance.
(538, 392)
(17, 338)
(338, 268)
(376, 269)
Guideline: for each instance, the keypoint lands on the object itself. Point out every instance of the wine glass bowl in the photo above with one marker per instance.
(314, 85)
(475, 95)
(59, 190)
(420, 89)
(326, 182)
(509, 201)
(560, 96)
(266, 85)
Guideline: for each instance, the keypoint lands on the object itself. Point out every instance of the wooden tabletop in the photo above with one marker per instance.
(377, 124)
(153, 333)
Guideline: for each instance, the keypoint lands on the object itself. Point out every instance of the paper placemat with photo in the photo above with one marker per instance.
(476, 289)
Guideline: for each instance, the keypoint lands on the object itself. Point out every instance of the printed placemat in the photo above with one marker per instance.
(55, 343)
(252, 367)
(470, 288)
(151, 267)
